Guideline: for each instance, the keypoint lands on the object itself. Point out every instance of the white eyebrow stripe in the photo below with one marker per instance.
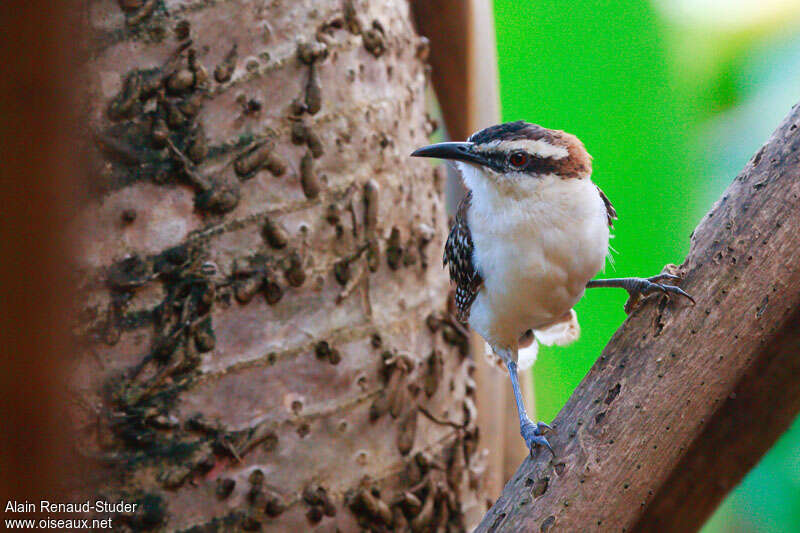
(538, 148)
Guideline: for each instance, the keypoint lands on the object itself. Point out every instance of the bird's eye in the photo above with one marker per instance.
(518, 159)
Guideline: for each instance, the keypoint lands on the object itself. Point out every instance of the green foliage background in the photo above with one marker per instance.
(671, 113)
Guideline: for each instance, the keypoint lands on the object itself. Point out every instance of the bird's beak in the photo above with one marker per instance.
(455, 151)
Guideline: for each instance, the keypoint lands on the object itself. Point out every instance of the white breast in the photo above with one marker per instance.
(537, 242)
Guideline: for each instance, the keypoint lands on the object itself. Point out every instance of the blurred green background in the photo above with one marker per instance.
(671, 97)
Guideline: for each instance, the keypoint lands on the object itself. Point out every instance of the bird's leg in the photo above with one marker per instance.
(531, 432)
(640, 287)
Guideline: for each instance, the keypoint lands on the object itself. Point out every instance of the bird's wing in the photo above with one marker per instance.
(458, 254)
(611, 213)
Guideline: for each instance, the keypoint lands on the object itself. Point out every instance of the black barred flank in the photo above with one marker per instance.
(458, 254)
(611, 213)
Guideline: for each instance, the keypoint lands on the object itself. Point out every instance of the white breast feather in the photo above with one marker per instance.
(538, 241)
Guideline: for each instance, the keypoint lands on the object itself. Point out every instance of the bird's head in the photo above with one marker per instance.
(515, 157)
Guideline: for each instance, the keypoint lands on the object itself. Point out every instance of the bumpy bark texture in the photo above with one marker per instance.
(684, 399)
(267, 340)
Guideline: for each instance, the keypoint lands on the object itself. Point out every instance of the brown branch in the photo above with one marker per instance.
(41, 143)
(444, 23)
(684, 400)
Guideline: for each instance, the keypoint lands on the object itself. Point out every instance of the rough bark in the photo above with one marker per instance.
(267, 342)
(684, 400)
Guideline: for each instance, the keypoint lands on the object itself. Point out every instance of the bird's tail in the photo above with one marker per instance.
(560, 334)
(527, 355)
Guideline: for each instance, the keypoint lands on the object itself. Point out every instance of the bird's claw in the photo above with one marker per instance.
(533, 434)
(642, 287)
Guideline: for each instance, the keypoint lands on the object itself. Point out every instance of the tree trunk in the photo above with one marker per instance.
(267, 340)
(684, 399)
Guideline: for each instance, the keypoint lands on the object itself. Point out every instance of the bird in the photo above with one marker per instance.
(526, 241)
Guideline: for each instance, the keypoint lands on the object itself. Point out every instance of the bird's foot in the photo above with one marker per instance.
(639, 288)
(533, 434)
